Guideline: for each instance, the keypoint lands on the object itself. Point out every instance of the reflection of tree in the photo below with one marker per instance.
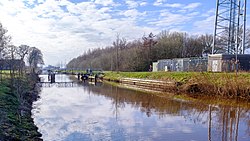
(118, 103)
(223, 122)
(146, 106)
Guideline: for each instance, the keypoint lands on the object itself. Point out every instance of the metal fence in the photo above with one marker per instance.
(181, 64)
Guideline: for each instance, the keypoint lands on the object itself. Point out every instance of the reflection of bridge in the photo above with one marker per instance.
(57, 84)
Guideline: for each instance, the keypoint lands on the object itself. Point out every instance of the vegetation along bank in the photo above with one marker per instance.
(16, 97)
(223, 85)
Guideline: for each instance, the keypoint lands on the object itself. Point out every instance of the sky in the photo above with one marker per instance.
(65, 29)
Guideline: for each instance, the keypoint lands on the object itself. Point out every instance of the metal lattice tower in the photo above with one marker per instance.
(230, 27)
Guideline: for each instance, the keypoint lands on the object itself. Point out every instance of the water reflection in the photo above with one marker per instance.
(89, 112)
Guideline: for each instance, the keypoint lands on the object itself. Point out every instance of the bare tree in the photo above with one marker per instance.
(134, 55)
(194, 47)
(35, 57)
(207, 42)
(11, 55)
(149, 42)
(22, 51)
(4, 40)
(119, 44)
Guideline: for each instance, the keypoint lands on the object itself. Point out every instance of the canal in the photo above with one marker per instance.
(87, 112)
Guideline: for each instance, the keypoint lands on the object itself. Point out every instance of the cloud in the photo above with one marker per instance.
(206, 24)
(168, 19)
(104, 2)
(133, 13)
(159, 2)
(143, 3)
(192, 6)
(132, 4)
(174, 5)
(67, 29)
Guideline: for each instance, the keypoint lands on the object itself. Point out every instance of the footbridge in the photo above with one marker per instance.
(57, 84)
(70, 71)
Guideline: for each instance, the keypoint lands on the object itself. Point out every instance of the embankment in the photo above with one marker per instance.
(221, 85)
(16, 97)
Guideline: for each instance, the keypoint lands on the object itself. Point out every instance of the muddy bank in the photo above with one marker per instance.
(16, 98)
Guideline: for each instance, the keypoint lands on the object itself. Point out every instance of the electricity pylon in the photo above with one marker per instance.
(230, 27)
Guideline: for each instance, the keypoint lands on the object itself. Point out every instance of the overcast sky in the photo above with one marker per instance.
(64, 29)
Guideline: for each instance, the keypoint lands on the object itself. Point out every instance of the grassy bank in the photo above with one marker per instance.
(16, 97)
(225, 85)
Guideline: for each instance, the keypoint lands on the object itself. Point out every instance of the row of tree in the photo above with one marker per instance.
(138, 55)
(10, 54)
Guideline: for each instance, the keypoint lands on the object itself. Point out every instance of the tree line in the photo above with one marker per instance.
(14, 57)
(17, 88)
(138, 55)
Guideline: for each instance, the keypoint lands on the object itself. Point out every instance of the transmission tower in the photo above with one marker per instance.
(230, 27)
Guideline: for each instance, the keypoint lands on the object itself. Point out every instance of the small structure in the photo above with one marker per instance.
(228, 62)
(181, 64)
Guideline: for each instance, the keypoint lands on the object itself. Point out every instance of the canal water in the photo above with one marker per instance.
(88, 112)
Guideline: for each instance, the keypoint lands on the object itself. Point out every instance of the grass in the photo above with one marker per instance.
(179, 76)
(176, 76)
(14, 126)
(227, 85)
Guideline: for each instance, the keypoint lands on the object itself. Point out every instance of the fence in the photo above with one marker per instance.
(181, 64)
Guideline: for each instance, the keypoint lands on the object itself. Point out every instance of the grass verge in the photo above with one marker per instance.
(223, 85)
(15, 110)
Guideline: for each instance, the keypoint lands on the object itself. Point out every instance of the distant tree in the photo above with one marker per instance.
(10, 52)
(134, 55)
(148, 43)
(4, 41)
(119, 44)
(207, 43)
(170, 45)
(10, 56)
(35, 57)
(22, 51)
(194, 47)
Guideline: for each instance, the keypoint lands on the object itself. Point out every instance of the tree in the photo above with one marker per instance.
(10, 54)
(207, 42)
(119, 44)
(149, 42)
(4, 39)
(35, 57)
(169, 45)
(22, 51)
(194, 47)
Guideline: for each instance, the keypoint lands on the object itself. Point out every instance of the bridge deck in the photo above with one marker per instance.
(57, 84)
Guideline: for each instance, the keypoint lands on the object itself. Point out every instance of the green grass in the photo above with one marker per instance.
(12, 125)
(227, 85)
(177, 76)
